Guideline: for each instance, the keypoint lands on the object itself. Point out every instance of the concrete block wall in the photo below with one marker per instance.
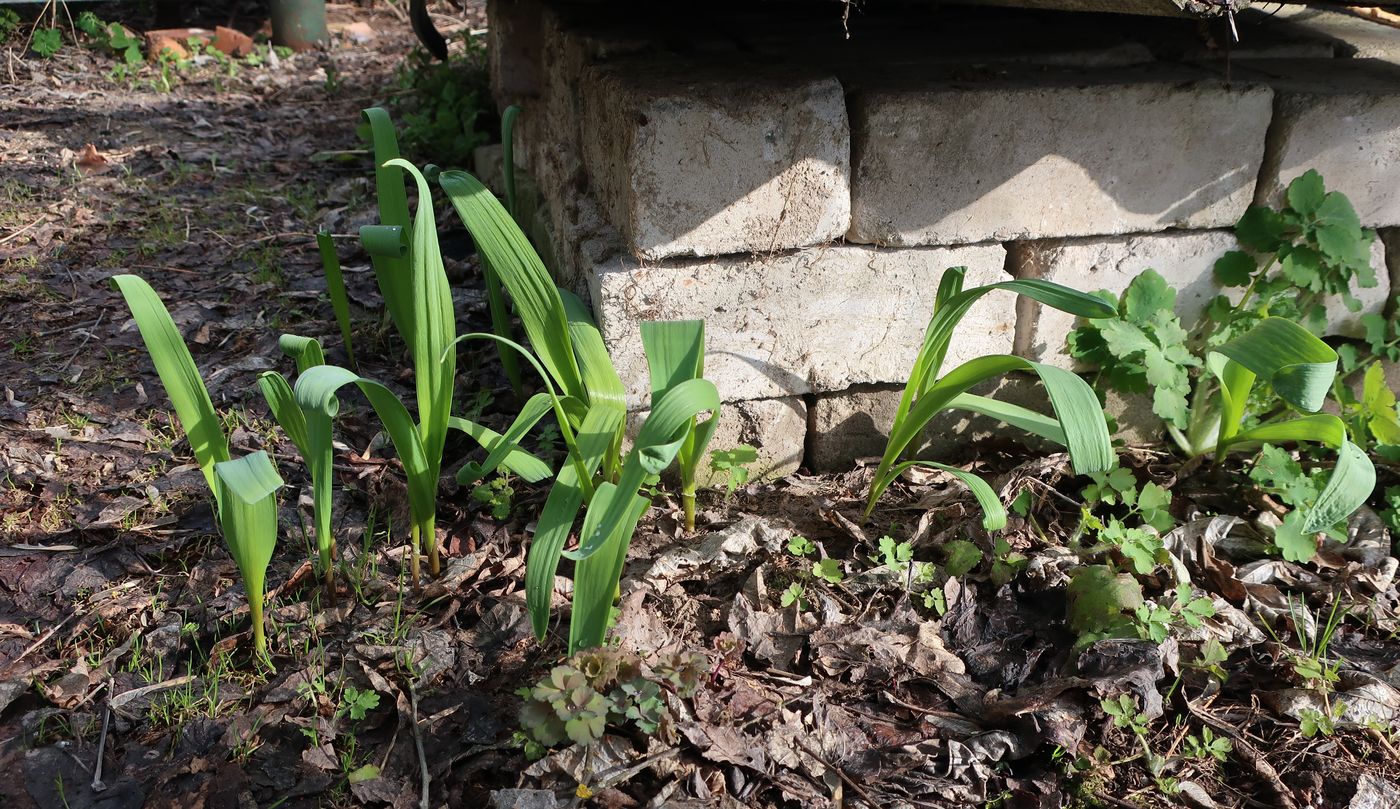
(803, 192)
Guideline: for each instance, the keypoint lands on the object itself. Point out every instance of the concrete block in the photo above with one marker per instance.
(514, 42)
(776, 428)
(1053, 155)
(1345, 34)
(855, 424)
(713, 157)
(1186, 260)
(819, 319)
(1341, 117)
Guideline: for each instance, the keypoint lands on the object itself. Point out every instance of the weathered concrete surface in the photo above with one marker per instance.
(818, 319)
(1344, 34)
(855, 423)
(1341, 117)
(1185, 259)
(708, 158)
(776, 428)
(513, 47)
(1053, 155)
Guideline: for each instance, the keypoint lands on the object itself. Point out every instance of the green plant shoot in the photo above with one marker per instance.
(248, 518)
(675, 353)
(335, 289)
(310, 431)
(1078, 422)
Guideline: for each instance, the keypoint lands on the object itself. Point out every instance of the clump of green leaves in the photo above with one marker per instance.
(601, 689)
(1319, 249)
(46, 42)
(497, 495)
(1207, 746)
(734, 465)
(1141, 516)
(1155, 621)
(112, 36)
(1145, 342)
(446, 107)
(9, 23)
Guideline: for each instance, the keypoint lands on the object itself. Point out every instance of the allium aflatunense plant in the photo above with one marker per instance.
(244, 489)
(1077, 421)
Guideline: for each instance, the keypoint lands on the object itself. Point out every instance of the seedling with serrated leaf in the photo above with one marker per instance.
(1207, 746)
(828, 570)
(801, 546)
(734, 465)
(796, 593)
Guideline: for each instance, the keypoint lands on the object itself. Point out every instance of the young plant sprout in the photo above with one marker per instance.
(1078, 422)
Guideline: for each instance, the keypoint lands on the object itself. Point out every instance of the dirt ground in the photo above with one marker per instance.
(124, 680)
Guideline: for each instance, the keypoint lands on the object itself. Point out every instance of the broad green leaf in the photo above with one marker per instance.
(1348, 488)
(675, 351)
(310, 431)
(1022, 418)
(1261, 229)
(1147, 294)
(508, 155)
(434, 330)
(1298, 365)
(1295, 542)
(993, 512)
(1378, 403)
(248, 519)
(596, 577)
(178, 374)
(537, 300)
(961, 557)
(1306, 192)
(1235, 268)
(391, 273)
(335, 290)
(1099, 597)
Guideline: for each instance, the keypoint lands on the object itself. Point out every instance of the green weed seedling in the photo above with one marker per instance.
(593, 691)
(734, 465)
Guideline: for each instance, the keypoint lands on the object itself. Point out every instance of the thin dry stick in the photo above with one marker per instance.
(97, 784)
(418, 744)
(865, 796)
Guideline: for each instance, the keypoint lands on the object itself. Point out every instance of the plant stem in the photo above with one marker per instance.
(255, 614)
(413, 566)
(688, 506)
(430, 532)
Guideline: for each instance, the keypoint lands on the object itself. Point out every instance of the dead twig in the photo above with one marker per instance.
(97, 784)
(418, 745)
(1249, 755)
(856, 788)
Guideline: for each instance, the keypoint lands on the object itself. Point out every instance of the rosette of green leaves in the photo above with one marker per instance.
(1078, 421)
